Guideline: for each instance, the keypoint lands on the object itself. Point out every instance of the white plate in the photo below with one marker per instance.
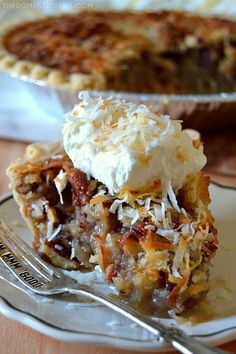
(70, 319)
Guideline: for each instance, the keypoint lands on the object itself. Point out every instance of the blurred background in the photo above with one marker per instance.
(27, 118)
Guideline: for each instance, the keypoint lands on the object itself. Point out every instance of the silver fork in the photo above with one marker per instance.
(44, 279)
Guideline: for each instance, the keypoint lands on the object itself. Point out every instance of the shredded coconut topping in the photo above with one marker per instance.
(172, 197)
(117, 203)
(128, 215)
(147, 203)
(73, 248)
(39, 207)
(149, 227)
(127, 146)
(52, 234)
(58, 247)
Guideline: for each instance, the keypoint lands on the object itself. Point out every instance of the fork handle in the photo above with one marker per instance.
(174, 336)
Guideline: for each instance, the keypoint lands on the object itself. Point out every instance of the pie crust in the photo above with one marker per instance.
(154, 53)
(41, 74)
(80, 229)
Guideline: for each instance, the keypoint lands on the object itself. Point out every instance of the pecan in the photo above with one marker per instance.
(81, 194)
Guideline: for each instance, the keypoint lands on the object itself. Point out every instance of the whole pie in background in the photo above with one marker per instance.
(163, 52)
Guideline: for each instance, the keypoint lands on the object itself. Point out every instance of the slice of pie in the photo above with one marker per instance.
(163, 52)
(127, 194)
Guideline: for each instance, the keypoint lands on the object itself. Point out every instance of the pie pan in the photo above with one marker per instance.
(201, 112)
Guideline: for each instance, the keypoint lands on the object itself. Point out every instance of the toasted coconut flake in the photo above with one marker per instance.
(185, 228)
(147, 203)
(179, 256)
(58, 247)
(127, 215)
(140, 202)
(176, 273)
(172, 235)
(149, 227)
(73, 248)
(49, 229)
(176, 238)
(54, 233)
(173, 199)
(39, 207)
(58, 156)
(192, 227)
(183, 211)
(158, 212)
(153, 217)
(116, 204)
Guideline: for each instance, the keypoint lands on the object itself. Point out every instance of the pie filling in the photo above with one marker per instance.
(166, 52)
(125, 193)
(144, 246)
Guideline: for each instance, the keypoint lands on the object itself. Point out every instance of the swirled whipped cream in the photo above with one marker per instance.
(128, 147)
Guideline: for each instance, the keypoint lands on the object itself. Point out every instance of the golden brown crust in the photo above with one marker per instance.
(90, 50)
(35, 160)
(137, 258)
(35, 72)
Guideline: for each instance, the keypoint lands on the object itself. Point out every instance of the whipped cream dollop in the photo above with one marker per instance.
(128, 147)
